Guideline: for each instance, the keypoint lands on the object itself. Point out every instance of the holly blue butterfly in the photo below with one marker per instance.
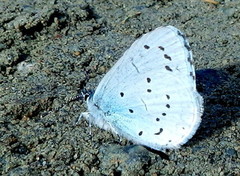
(149, 96)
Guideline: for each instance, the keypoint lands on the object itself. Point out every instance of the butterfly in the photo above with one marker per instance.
(149, 96)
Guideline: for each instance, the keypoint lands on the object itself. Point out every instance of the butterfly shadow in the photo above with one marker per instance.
(219, 90)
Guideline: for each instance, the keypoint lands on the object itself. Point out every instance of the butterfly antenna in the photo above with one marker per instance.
(90, 126)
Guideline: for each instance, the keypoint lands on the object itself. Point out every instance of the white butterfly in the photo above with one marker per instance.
(149, 96)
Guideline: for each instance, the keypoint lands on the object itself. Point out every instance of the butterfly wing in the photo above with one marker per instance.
(149, 96)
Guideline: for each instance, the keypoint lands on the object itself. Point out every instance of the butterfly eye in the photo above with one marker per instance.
(85, 94)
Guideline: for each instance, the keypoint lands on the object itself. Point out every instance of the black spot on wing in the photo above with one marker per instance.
(160, 131)
(168, 68)
(168, 97)
(167, 57)
(146, 46)
(148, 80)
(149, 90)
(161, 48)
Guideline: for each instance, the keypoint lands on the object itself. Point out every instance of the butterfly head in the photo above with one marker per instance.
(86, 94)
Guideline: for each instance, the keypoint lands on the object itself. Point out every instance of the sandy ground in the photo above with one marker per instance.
(51, 50)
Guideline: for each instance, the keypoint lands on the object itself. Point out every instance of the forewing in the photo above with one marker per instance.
(149, 95)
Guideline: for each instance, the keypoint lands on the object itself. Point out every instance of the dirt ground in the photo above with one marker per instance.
(50, 50)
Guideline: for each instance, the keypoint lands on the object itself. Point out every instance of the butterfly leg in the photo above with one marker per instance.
(86, 115)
